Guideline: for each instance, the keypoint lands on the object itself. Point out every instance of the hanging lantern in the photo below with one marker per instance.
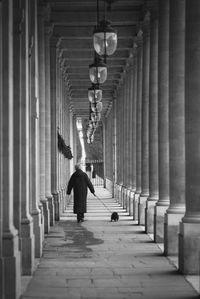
(97, 107)
(95, 116)
(104, 39)
(98, 70)
(94, 93)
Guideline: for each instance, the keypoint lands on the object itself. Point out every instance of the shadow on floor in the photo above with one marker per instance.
(78, 239)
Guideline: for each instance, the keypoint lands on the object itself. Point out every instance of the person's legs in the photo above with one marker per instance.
(78, 217)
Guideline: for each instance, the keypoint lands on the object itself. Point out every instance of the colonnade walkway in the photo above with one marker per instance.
(102, 259)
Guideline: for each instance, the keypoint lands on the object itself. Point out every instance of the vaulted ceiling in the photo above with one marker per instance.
(73, 23)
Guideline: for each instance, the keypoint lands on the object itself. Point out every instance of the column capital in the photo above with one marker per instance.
(54, 40)
(48, 27)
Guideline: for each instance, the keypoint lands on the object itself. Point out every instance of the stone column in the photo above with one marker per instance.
(1, 161)
(10, 247)
(126, 153)
(163, 122)
(176, 126)
(42, 120)
(54, 186)
(138, 127)
(153, 124)
(114, 151)
(27, 237)
(48, 31)
(34, 174)
(132, 125)
(145, 125)
(189, 241)
(17, 112)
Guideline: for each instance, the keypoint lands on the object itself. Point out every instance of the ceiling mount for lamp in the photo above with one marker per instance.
(98, 70)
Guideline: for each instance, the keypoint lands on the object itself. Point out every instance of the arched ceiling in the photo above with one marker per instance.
(73, 23)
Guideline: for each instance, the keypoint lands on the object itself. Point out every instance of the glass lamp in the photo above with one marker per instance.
(94, 93)
(97, 107)
(98, 70)
(95, 116)
(104, 39)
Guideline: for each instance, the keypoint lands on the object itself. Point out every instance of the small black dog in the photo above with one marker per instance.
(114, 216)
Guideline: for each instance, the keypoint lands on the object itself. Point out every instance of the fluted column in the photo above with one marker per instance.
(17, 95)
(114, 151)
(34, 173)
(42, 100)
(153, 124)
(54, 173)
(132, 131)
(163, 121)
(189, 241)
(1, 161)
(10, 247)
(138, 127)
(126, 153)
(145, 125)
(176, 126)
(48, 31)
(27, 238)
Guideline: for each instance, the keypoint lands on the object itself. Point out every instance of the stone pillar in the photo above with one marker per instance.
(1, 161)
(176, 126)
(54, 186)
(114, 151)
(10, 247)
(126, 159)
(48, 31)
(189, 241)
(138, 127)
(133, 125)
(42, 120)
(163, 122)
(34, 173)
(27, 237)
(17, 112)
(145, 125)
(153, 124)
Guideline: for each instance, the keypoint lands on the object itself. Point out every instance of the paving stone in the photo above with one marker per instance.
(99, 259)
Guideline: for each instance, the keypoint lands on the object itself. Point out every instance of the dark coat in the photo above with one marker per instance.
(79, 182)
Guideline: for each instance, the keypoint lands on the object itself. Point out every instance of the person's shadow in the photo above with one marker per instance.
(78, 240)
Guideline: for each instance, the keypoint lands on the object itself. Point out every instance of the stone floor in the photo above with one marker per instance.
(103, 259)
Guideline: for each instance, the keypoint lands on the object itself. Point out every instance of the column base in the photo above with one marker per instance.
(11, 266)
(37, 230)
(120, 195)
(123, 192)
(149, 215)
(42, 220)
(159, 223)
(141, 209)
(131, 201)
(27, 246)
(57, 206)
(136, 205)
(1, 278)
(46, 216)
(51, 210)
(171, 230)
(189, 248)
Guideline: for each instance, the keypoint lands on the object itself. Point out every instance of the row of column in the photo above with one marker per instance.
(157, 130)
(33, 107)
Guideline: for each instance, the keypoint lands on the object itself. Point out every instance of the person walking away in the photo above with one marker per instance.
(80, 182)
